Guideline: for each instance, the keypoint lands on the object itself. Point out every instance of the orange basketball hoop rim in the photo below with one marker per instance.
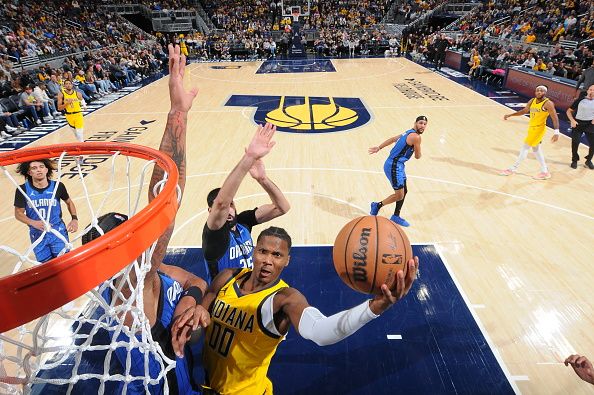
(39, 290)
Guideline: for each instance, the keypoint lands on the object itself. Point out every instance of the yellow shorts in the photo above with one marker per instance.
(75, 120)
(535, 136)
(184, 51)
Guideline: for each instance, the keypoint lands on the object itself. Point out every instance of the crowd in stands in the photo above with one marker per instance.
(42, 28)
(29, 98)
(410, 10)
(119, 57)
(496, 55)
(533, 20)
(248, 24)
(110, 54)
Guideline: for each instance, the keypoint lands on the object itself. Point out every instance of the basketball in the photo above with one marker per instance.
(369, 251)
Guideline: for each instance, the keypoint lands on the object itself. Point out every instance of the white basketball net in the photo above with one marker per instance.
(53, 350)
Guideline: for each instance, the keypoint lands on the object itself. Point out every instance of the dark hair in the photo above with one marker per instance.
(421, 118)
(23, 168)
(276, 232)
(106, 222)
(212, 195)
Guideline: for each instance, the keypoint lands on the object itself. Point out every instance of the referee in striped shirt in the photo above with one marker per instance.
(582, 123)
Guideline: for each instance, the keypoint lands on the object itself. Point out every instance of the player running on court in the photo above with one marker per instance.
(405, 145)
(540, 107)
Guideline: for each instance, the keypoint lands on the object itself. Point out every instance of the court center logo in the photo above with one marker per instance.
(305, 114)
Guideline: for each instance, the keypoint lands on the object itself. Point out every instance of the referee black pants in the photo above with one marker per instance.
(583, 127)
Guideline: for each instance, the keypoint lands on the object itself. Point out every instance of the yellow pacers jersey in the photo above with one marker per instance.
(538, 123)
(73, 107)
(238, 347)
(183, 48)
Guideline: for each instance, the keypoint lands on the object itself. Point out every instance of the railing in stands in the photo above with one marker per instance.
(472, 7)
(538, 46)
(132, 26)
(203, 15)
(33, 61)
(426, 15)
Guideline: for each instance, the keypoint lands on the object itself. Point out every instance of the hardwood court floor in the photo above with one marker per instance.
(520, 249)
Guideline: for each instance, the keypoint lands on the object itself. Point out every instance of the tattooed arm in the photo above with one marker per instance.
(173, 142)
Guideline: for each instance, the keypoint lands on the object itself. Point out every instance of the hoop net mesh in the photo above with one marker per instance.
(55, 349)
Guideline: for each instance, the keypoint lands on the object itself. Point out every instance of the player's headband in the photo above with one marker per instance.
(543, 88)
(421, 118)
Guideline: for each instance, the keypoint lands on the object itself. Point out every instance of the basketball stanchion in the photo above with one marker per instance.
(35, 300)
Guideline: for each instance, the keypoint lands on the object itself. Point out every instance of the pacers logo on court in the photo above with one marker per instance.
(305, 114)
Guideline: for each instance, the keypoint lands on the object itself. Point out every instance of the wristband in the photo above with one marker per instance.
(75, 217)
(556, 132)
(194, 292)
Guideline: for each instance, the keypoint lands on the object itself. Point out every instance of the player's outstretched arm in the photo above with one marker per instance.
(279, 204)
(313, 325)
(523, 111)
(173, 142)
(581, 366)
(390, 141)
(259, 147)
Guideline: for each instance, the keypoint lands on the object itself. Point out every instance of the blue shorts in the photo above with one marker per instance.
(394, 170)
(51, 245)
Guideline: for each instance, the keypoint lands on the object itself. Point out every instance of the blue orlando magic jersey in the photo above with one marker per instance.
(179, 378)
(43, 200)
(239, 253)
(401, 151)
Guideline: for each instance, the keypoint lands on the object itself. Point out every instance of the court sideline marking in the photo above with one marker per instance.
(511, 379)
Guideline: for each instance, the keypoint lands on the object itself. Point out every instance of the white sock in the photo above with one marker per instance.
(540, 158)
(78, 133)
(521, 157)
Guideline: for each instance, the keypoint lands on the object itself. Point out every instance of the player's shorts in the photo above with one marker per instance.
(75, 121)
(394, 170)
(51, 245)
(535, 135)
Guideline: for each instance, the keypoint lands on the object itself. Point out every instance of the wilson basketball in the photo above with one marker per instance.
(369, 251)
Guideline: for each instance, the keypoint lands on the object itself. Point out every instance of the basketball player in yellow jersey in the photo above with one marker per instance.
(182, 45)
(251, 310)
(475, 62)
(540, 107)
(70, 101)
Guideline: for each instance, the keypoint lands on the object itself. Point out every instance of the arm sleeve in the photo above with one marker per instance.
(214, 242)
(62, 193)
(324, 331)
(248, 218)
(19, 199)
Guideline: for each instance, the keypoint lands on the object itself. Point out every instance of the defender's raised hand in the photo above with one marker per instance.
(261, 143)
(180, 99)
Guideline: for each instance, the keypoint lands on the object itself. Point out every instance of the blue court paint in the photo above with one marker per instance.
(272, 66)
(442, 350)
